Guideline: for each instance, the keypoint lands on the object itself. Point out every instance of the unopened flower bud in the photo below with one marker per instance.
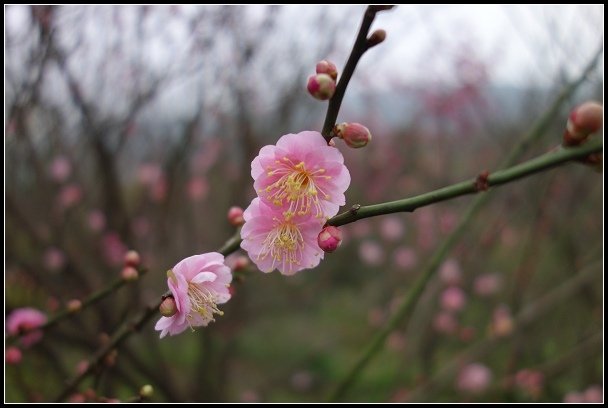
(329, 239)
(132, 258)
(74, 305)
(583, 120)
(376, 38)
(168, 307)
(327, 67)
(13, 355)
(321, 86)
(129, 273)
(235, 216)
(241, 263)
(354, 134)
(146, 391)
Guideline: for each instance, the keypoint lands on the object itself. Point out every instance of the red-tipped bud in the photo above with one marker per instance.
(74, 305)
(129, 273)
(329, 239)
(354, 134)
(132, 258)
(583, 120)
(146, 391)
(235, 216)
(376, 38)
(168, 307)
(241, 263)
(321, 86)
(327, 67)
(13, 355)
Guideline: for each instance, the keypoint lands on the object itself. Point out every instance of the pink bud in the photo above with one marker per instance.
(474, 378)
(327, 67)
(329, 239)
(583, 120)
(354, 134)
(168, 307)
(240, 263)
(132, 258)
(74, 305)
(321, 86)
(129, 273)
(453, 299)
(13, 355)
(235, 216)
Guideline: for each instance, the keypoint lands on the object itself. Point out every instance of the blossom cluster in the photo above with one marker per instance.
(300, 183)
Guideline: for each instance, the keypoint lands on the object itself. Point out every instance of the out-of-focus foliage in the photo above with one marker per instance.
(134, 127)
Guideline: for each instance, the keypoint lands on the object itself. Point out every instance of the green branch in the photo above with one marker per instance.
(525, 169)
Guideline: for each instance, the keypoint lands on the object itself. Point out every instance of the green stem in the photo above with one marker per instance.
(89, 301)
(407, 306)
(525, 169)
(117, 338)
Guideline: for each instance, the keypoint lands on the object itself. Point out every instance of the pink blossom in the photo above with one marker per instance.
(69, 196)
(25, 319)
(113, 248)
(450, 272)
(405, 257)
(371, 253)
(301, 175)
(530, 381)
(474, 378)
(275, 241)
(391, 228)
(487, 284)
(574, 397)
(12, 355)
(148, 173)
(444, 322)
(96, 220)
(453, 299)
(60, 169)
(594, 394)
(198, 284)
(197, 188)
(54, 259)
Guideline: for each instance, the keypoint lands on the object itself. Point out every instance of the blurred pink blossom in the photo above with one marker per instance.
(487, 284)
(54, 259)
(141, 226)
(60, 169)
(250, 396)
(376, 317)
(594, 393)
(113, 248)
(474, 378)
(158, 190)
(453, 299)
(149, 173)
(301, 380)
(198, 187)
(69, 196)
(574, 397)
(391, 228)
(447, 221)
(12, 355)
(450, 272)
(25, 318)
(371, 253)
(405, 257)
(530, 381)
(396, 341)
(198, 284)
(502, 322)
(445, 322)
(96, 220)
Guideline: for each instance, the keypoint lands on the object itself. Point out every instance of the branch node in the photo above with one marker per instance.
(481, 182)
(353, 210)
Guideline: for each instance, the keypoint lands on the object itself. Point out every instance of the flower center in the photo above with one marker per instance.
(298, 186)
(284, 244)
(203, 302)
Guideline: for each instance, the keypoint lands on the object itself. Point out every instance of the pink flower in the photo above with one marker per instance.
(25, 319)
(54, 259)
(487, 284)
(275, 241)
(69, 196)
(453, 299)
(371, 253)
(60, 169)
(198, 284)
(405, 257)
(96, 220)
(450, 272)
(474, 378)
(302, 175)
